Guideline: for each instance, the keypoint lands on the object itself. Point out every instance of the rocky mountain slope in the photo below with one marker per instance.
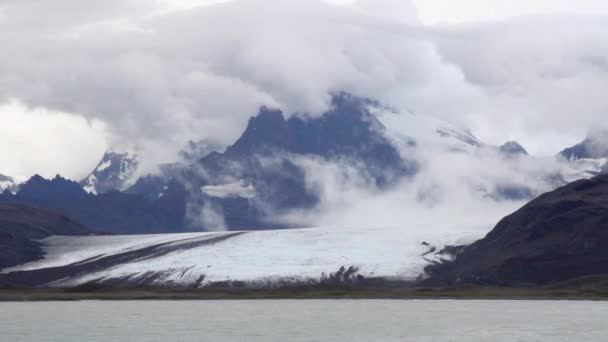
(22, 226)
(559, 236)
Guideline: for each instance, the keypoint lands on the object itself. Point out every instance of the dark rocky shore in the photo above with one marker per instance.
(589, 288)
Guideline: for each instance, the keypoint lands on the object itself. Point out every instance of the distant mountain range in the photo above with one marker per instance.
(265, 173)
(270, 172)
(235, 189)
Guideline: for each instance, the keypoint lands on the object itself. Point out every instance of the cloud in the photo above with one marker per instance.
(157, 75)
(455, 191)
(542, 77)
(161, 73)
(39, 139)
(163, 78)
(470, 11)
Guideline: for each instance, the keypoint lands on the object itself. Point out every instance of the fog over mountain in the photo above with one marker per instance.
(157, 74)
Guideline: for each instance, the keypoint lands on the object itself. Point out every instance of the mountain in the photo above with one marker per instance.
(348, 131)
(38, 189)
(512, 149)
(425, 131)
(269, 160)
(113, 172)
(276, 167)
(591, 155)
(595, 146)
(8, 183)
(196, 150)
(22, 226)
(261, 176)
(111, 212)
(561, 235)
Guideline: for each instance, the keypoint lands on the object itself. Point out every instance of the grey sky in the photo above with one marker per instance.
(158, 73)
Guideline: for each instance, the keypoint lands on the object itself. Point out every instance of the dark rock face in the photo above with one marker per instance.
(559, 236)
(265, 158)
(348, 130)
(21, 226)
(262, 156)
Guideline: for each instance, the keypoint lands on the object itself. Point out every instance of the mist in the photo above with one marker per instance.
(159, 75)
(152, 75)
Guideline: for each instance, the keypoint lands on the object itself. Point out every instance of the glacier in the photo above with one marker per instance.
(259, 258)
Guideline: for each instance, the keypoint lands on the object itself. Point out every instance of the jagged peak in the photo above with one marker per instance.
(113, 172)
(58, 188)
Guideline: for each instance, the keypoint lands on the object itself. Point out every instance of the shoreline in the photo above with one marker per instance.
(459, 293)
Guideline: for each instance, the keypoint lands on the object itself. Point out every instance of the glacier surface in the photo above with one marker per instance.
(257, 257)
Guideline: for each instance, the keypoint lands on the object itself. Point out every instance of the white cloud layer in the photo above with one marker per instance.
(470, 11)
(62, 141)
(159, 73)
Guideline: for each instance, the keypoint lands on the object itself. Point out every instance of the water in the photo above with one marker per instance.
(291, 320)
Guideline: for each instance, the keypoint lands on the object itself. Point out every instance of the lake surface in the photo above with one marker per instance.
(310, 320)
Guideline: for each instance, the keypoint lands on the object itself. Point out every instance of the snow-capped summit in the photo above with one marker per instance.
(114, 172)
(8, 183)
(423, 130)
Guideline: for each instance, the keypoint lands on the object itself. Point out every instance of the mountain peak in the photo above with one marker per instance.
(512, 148)
(268, 129)
(346, 128)
(595, 146)
(113, 172)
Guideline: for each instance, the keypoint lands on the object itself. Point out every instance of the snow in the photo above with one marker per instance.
(259, 256)
(425, 130)
(237, 189)
(6, 185)
(120, 178)
(90, 184)
(591, 165)
(65, 250)
(104, 165)
(582, 168)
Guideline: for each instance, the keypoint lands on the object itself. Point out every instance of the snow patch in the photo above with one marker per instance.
(237, 189)
(106, 164)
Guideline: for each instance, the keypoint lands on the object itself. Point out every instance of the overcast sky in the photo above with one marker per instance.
(78, 77)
